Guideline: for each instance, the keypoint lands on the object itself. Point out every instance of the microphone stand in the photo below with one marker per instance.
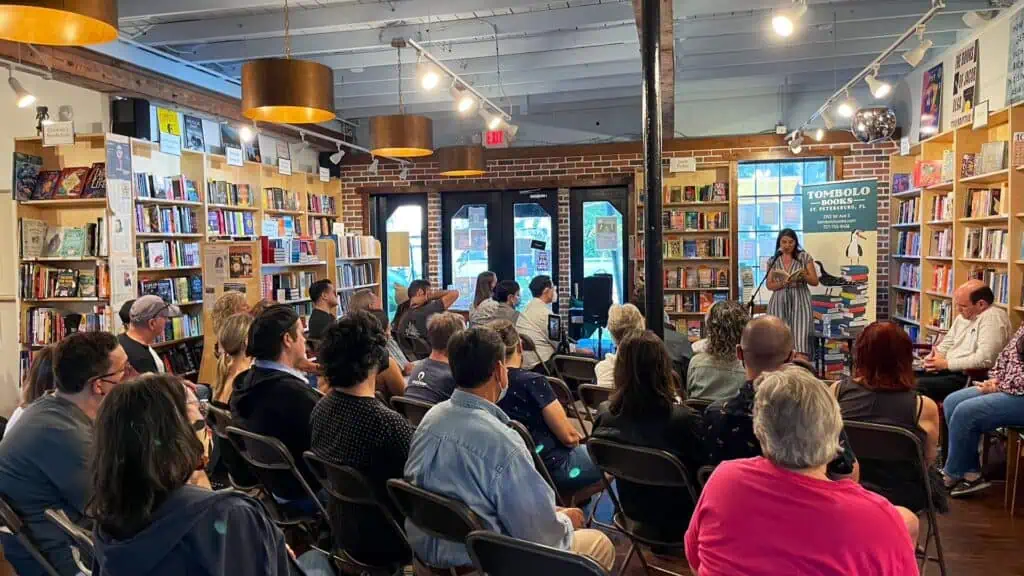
(753, 297)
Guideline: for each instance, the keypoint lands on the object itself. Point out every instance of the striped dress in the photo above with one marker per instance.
(793, 305)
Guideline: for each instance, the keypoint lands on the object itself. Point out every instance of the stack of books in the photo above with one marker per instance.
(180, 290)
(280, 199)
(48, 325)
(229, 223)
(288, 251)
(184, 326)
(942, 313)
(997, 280)
(228, 194)
(942, 279)
(287, 286)
(836, 355)
(907, 211)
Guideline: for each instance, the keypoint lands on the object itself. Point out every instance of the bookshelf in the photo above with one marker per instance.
(356, 266)
(971, 222)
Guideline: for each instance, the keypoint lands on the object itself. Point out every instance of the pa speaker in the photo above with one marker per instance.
(597, 298)
(130, 117)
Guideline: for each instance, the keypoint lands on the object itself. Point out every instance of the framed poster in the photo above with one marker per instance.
(931, 103)
(965, 84)
(1015, 61)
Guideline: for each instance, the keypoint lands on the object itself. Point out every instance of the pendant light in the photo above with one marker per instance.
(59, 22)
(287, 91)
(461, 161)
(401, 135)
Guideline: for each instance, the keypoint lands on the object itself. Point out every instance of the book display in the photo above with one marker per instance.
(974, 226)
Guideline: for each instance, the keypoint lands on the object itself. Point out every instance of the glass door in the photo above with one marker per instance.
(400, 223)
(470, 238)
(534, 245)
(598, 238)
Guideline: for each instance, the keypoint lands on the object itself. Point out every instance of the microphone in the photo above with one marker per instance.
(778, 253)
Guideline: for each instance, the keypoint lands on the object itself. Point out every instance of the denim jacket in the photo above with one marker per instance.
(464, 449)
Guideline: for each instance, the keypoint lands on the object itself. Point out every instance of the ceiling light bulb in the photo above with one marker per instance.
(494, 123)
(430, 79)
(847, 108)
(915, 56)
(374, 166)
(818, 134)
(466, 104)
(878, 88)
(246, 134)
(796, 144)
(337, 156)
(784, 22)
(23, 97)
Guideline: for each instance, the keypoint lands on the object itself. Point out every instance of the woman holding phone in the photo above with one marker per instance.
(789, 274)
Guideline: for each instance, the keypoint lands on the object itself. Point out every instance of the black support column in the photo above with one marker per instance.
(654, 281)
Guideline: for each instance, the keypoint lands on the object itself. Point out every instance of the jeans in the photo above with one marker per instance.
(969, 414)
(579, 459)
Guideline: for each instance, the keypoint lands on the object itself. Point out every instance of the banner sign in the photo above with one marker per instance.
(1015, 61)
(965, 85)
(841, 206)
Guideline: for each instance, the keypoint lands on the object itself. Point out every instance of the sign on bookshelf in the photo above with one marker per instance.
(234, 156)
(57, 133)
(325, 174)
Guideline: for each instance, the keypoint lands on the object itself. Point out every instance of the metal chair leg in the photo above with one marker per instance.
(629, 556)
(934, 529)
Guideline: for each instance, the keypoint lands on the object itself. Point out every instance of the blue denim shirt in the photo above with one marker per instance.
(465, 450)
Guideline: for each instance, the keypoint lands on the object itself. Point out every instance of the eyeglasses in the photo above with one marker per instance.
(126, 372)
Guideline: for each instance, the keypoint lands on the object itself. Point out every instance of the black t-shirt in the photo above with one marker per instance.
(528, 394)
(414, 323)
(319, 322)
(139, 355)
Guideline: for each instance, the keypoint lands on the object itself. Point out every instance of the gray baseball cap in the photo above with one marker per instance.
(152, 306)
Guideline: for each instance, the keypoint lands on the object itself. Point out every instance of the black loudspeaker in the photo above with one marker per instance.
(130, 117)
(325, 162)
(597, 298)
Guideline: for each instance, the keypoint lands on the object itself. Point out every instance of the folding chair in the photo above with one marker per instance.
(578, 369)
(347, 485)
(82, 540)
(273, 465)
(530, 346)
(646, 467)
(891, 445)
(240, 476)
(438, 516)
(567, 400)
(412, 410)
(13, 524)
(592, 397)
(698, 405)
(499, 555)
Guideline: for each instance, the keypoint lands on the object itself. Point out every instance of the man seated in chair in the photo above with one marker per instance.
(431, 379)
(766, 345)
(973, 342)
(423, 303)
(465, 450)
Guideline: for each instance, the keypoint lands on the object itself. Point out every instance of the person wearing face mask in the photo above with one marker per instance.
(500, 306)
(533, 322)
(464, 449)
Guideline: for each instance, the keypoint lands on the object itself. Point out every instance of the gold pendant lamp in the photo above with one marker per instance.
(461, 161)
(59, 22)
(401, 135)
(287, 91)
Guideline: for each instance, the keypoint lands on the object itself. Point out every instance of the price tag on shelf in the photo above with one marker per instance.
(325, 174)
(284, 166)
(234, 156)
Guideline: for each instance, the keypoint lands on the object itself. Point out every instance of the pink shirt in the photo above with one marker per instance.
(757, 518)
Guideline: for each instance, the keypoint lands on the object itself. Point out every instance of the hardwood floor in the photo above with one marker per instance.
(978, 537)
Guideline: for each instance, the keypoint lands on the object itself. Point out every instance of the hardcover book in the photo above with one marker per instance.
(26, 174)
(72, 181)
(46, 185)
(96, 182)
(33, 238)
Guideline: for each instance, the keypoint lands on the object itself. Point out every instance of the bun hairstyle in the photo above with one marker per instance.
(504, 290)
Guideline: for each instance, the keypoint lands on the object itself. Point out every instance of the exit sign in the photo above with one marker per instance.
(495, 139)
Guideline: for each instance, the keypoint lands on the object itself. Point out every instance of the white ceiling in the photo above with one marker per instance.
(567, 51)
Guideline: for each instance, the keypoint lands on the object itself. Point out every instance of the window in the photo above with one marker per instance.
(770, 199)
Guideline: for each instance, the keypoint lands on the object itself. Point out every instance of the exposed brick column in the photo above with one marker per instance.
(434, 239)
(564, 276)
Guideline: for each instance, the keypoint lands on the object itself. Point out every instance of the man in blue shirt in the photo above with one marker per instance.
(465, 450)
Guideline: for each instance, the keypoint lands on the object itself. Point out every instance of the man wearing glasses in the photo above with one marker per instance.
(149, 316)
(43, 460)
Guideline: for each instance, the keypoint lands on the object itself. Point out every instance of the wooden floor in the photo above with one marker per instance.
(978, 538)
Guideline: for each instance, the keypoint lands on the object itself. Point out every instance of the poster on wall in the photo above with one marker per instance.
(123, 273)
(193, 138)
(965, 84)
(1015, 61)
(931, 103)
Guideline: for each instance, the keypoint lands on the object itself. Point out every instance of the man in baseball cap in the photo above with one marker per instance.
(149, 315)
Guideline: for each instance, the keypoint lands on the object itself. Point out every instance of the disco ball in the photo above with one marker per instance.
(873, 124)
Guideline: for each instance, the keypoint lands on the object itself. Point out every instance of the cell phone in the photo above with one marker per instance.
(554, 327)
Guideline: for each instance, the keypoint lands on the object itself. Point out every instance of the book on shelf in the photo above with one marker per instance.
(167, 254)
(694, 329)
(908, 306)
(908, 243)
(907, 211)
(288, 251)
(26, 173)
(323, 204)
(714, 192)
(1018, 149)
(942, 313)
(287, 286)
(182, 358)
(32, 183)
(71, 183)
(675, 220)
(997, 280)
(986, 243)
(178, 290)
(909, 275)
(942, 243)
(188, 325)
(914, 332)
(228, 194)
(40, 239)
(942, 279)
(968, 165)
(948, 163)
(153, 219)
(286, 225)
(224, 222)
(900, 183)
(356, 274)
(280, 199)
(927, 173)
(165, 187)
(45, 326)
(942, 207)
(358, 247)
(985, 202)
(992, 157)
(320, 226)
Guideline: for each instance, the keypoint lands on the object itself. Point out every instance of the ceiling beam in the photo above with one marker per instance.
(686, 9)
(666, 59)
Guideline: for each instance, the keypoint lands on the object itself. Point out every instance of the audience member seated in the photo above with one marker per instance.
(533, 322)
(622, 321)
(882, 391)
(995, 403)
(367, 301)
(973, 342)
(431, 379)
(717, 373)
(44, 459)
(464, 449)
(766, 344)
(781, 514)
(531, 401)
(486, 281)
(422, 304)
(273, 397)
(352, 428)
(677, 344)
(325, 300)
(228, 304)
(500, 306)
(233, 338)
(154, 513)
(40, 382)
(149, 316)
(643, 412)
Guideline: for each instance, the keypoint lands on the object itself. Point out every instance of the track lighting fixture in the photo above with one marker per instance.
(337, 156)
(305, 145)
(975, 19)
(879, 88)
(493, 121)
(404, 172)
(915, 56)
(464, 100)
(796, 141)
(373, 167)
(23, 98)
(827, 119)
(817, 134)
(429, 76)
(848, 107)
(784, 22)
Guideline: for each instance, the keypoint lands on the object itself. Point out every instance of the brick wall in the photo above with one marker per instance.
(576, 168)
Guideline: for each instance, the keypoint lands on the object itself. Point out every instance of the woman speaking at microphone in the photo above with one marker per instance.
(789, 274)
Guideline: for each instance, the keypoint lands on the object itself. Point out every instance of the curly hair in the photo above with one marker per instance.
(352, 349)
(724, 327)
(227, 305)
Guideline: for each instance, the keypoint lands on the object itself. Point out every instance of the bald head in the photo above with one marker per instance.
(972, 298)
(766, 344)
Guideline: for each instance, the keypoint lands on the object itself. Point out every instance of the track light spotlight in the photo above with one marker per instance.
(23, 98)
(494, 121)
(373, 167)
(305, 145)
(464, 100)
(975, 19)
(337, 156)
(915, 56)
(827, 119)
(511, 130)
(784, 22)
(817, 134)
(404, 172)
(796, 143)
(879, 88)
(848, 107)
(429, 76)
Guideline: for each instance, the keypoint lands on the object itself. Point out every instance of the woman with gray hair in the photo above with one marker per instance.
(780, 513)
(717, 373)
(623, 320)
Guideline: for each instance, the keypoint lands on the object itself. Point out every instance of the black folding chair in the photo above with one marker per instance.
(82, 540)
(12, 523)
(438, 516)
(645, 467)
(413, 410)
(349, 486)
(240, 475)
(578, 369)
(894, 445)
(698, 405)
(592, 397)
(568, 401)
(703, 475)
(499, 555)
(273, 465)
(530, 346)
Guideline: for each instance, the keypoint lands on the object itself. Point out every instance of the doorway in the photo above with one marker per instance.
(598, 238)
(399, 222)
